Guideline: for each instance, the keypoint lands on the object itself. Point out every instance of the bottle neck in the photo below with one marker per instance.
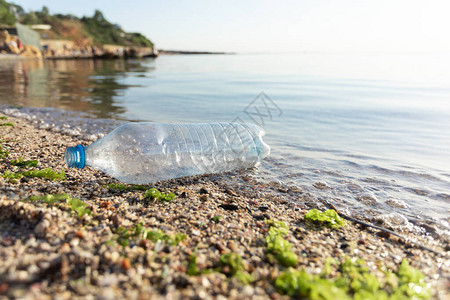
(75, 157)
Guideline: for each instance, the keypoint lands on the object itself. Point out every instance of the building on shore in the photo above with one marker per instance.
(24, 41)
(20, 40)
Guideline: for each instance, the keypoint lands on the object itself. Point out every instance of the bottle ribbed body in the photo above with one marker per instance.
(149, 152)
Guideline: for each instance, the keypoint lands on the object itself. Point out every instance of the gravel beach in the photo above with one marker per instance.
(119, 243)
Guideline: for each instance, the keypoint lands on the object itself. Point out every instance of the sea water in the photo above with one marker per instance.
(370, 132)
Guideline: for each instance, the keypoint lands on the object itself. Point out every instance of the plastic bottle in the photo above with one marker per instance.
(148, 152)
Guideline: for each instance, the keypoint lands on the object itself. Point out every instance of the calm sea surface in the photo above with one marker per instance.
(369, 132)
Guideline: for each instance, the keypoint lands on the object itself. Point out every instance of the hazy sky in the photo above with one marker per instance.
(274, 26)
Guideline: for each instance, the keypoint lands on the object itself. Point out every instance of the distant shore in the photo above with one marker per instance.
(185, 52)
(109, 55)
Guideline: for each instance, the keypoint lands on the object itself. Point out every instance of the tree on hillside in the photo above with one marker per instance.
(99, 18)
(96, 29)
(6, 13)
(45, 11)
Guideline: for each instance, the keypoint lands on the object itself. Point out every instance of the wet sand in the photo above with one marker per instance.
(48, 251)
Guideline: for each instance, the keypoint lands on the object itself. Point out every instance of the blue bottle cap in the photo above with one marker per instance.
(74, 157)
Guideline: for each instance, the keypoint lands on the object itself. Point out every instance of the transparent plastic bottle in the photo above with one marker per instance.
(148, 152)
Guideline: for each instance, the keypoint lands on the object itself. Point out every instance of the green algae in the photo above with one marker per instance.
(216, 219)
(192, 268)
(154, 194)
(159, 235)
(137, 233)
(354, 281)
(46, 173)
(75, 204)
(244, 277)
(12, 175)
(3, 153)
(277, 247)
(24, 163)
(7, 124)
(3, 118)
(49, 199)
(232, 265)
(233, 261)
(123, 236)
(78, 206)
(303, 285)
(329, 218)
(411, 282)
(149, 193)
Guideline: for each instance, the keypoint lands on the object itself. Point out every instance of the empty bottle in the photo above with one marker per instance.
(148, 152)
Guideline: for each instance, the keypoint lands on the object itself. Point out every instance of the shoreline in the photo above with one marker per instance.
(187, 52)
(67, 255)
(15, 57)
(10, 57)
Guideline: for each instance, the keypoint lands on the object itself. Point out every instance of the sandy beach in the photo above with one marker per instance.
(53, 248)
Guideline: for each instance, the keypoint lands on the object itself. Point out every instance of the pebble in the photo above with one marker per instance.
(232, 246)
(44, 247)
(79, 234)
(203, 191)
(42, 227)
(159, 246)
(114, 257)
(229, 206)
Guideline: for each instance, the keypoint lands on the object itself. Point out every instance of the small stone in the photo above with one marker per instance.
(181, 282)
(7, 241)
(248, 291)
(42, 227)
(44, 247)
(232, 246)
(203, 191)
(107, 294)
(383, 234)
(144, 243)
(126, 264)
(159, 245)
(79, 234)
(205, 282)
(345, 245)
(114, 256)
(255, 259)
(47, 216)
(261, 217)
(105, 204)
(107, 280)
(74, 242)
(220, 247)
(229, 206)
(65, 248)
(3, 288)
(230, 192)
(321, 185)
(117, 220)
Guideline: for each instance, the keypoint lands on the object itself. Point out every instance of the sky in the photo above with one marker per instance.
(275, 26)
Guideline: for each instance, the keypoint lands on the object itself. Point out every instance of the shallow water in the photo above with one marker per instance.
(369, 132)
